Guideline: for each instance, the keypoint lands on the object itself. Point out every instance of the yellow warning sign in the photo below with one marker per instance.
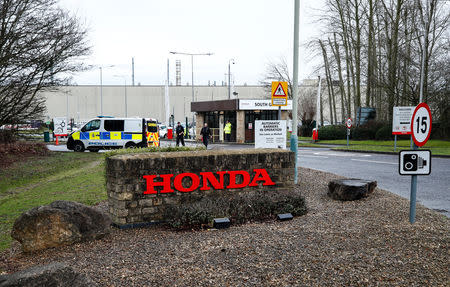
(279, 93)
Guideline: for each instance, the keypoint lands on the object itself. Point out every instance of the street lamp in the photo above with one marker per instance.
(101, 86)
(229, 77)
(192, 68)
(125, 89)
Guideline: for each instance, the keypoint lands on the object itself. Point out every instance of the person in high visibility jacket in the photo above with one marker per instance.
(227, 131)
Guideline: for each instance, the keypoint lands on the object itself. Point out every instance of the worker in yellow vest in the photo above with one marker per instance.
(227, 131)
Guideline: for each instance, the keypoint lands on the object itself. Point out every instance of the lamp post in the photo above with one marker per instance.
(125, 89)
(231, 61)
(101, 86)
(192, 68)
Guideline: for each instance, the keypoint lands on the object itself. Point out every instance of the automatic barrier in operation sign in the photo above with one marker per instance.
(270, 134)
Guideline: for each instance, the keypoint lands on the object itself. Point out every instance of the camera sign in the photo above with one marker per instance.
(415, 162)
(421, 124)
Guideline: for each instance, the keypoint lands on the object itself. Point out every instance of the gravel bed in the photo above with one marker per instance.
(362, 243)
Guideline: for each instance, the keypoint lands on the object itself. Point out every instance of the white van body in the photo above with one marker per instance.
(108, 133)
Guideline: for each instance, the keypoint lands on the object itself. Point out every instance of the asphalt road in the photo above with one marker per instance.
(433, 190)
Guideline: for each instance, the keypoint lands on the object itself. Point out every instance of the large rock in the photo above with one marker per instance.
(54, 274)
(350, 189)
(60, 223)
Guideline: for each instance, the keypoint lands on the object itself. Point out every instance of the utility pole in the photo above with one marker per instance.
(132, 71)
(192, 69)
(294, 137)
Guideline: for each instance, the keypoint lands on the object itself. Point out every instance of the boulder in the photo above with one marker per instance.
(350, 189)
(59, 223)
(53, 274)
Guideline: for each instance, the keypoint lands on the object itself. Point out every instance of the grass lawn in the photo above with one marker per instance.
(42, 180)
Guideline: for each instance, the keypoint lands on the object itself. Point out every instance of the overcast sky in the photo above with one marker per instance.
(252, 32)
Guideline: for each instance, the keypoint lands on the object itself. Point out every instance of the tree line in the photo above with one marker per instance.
(373, 52)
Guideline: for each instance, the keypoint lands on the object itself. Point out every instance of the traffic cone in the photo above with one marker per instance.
(56, 143)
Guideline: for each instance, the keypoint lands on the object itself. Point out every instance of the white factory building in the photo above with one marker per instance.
(85, 102)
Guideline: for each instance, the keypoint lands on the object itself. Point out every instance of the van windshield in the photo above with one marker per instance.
(91, 126)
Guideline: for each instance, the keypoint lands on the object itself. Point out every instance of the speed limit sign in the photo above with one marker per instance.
(348, 123)
(421, 124)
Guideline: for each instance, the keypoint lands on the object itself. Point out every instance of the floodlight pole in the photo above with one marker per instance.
(294, 137)
(192, 69)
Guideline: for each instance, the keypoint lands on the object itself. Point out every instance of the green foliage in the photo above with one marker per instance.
(306, 128)
(367, 131)
(384, 133)
(239, 207)
(332, 132)
(151, 149)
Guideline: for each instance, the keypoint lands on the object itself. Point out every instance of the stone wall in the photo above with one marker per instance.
(127, 188)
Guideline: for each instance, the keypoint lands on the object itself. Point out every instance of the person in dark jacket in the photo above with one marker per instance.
(205, 133)
(180, 134)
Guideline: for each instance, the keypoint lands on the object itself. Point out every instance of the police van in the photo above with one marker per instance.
(109, 133)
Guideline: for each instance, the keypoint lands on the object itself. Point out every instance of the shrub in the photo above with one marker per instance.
(332, 132)
(7, 136)
(306, 128)
(384, 133)
(239, 207)
(367, 131)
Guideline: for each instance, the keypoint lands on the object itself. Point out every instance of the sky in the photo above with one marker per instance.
(252, 32)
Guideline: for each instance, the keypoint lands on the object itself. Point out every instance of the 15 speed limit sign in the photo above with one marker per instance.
(421, 124)
(348, 123)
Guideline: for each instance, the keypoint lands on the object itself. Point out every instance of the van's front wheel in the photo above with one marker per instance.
(78, 147)
(130, 145)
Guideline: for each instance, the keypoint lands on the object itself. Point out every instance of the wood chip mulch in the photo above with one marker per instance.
(369, 242)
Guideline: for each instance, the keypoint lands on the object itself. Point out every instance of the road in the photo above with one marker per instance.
(433, 190)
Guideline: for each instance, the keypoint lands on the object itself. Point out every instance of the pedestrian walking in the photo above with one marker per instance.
(205, 133)
(180, 134)
(227, 131)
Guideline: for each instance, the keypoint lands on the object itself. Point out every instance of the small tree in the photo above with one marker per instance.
(40, 44)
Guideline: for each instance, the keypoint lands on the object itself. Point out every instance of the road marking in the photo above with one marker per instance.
(315, 156)
(375, 161)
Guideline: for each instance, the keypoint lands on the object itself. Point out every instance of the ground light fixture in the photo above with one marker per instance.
(284, 216)
(221, 223)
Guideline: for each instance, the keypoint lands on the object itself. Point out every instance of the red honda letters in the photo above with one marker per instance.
(261, 175)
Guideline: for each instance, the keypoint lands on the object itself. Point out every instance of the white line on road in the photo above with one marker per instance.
(315, 156)
(376, 161)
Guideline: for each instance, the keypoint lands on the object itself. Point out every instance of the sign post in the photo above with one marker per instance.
(348, 123)
(416, 162)
(401, 122)
(279, 95)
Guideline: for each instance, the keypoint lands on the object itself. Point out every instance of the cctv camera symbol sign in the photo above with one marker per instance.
(415, 162)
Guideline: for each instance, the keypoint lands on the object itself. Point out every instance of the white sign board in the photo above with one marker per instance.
(270, 134)
(415, 162)
(401, 121)
(60, 126)
(262, 105)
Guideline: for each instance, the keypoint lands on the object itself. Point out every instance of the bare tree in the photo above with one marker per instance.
(40, 44)
(277, 72)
